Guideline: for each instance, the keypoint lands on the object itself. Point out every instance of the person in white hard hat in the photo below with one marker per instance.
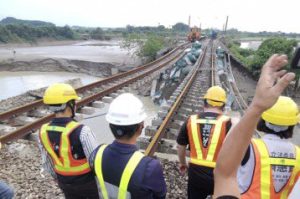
(121, 170)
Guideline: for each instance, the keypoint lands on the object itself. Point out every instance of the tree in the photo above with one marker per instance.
(180, 27)
(145, 47)
(268, 48)
(98, 34)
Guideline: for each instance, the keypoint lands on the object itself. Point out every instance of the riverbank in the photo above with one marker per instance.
(42, 42)
(94, 51)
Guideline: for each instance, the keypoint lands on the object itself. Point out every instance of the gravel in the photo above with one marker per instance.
(176, 183)
(21, 168)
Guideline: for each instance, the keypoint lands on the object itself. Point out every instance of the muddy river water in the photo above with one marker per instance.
(16, 83)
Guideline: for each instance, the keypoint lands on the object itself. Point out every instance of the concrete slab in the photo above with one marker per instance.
(114, 95)
(87, 110)
(126, 89)
(107, 99)
(78, 117)
(157, 122)
(162, 114)
(98, 104)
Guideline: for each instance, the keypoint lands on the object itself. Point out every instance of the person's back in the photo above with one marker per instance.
(146, 180)
(271, 166)
(120, 169)
(66, 145)
(204, 133)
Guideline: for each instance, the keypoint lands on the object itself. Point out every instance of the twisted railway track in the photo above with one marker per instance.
(187, 99)
(91, 94)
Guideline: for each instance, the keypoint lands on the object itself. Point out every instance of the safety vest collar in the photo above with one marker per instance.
(126, 175)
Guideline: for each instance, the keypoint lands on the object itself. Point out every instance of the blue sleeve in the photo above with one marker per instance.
(92, 157)
(154, 180)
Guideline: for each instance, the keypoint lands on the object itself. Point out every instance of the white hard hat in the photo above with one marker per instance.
(126, 110)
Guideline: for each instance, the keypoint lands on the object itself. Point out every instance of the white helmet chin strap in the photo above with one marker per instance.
(276, 128)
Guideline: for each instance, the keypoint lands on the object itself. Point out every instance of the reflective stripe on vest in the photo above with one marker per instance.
(264, 167)
(208, 161)
(65, 164)
(126, 175)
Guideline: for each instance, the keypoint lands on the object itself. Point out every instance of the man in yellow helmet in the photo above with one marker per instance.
(204, 133)
(271, 166)
(66, 145)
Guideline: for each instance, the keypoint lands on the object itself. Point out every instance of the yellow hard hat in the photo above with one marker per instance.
(284, 112)
(215, 96)
(60, 94)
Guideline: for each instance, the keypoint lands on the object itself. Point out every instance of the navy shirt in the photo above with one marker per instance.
(147, 180)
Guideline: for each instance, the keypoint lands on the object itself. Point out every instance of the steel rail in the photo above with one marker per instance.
(152, 147)
(239, 97)
(36, 104)
(212, 67)
(24, 130)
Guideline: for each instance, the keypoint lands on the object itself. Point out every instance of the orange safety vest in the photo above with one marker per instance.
(262, 186)
(206, 156)
(65, 164)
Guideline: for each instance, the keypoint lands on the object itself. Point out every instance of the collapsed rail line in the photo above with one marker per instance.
(187, 99)
(107, 86)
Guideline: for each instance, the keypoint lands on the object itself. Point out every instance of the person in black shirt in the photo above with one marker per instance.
(204, 133)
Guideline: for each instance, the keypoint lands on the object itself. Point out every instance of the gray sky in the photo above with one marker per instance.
(250, 15)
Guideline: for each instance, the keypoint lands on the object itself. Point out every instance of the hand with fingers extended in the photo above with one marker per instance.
(268, 90)
(183, 168)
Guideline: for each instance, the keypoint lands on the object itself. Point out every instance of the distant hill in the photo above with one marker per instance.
(12, 20)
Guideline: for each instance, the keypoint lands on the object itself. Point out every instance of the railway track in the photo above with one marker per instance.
(187, 99)
(91, 94)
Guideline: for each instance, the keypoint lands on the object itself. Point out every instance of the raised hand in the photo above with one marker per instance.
(267, 92)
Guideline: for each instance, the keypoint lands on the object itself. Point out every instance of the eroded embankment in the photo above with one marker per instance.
(100, 69)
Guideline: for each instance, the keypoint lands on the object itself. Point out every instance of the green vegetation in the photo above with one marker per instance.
(244, 55)
(12, 20)
(99, 34)
(254, 60)
(27, 33)
(236, 34)
(145, 46)
(270, 47)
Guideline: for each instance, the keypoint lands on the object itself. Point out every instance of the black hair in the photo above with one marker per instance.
(70, 104)
(207, 105)
(261, 126)
(124, 132)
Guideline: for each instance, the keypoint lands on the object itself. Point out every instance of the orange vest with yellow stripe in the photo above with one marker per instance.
(64, 164)
(262, 186)
(206, 156)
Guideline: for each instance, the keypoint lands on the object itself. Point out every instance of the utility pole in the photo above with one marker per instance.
(226, 25)
(189, 21)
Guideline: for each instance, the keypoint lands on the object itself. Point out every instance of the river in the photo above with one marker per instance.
(16, 83)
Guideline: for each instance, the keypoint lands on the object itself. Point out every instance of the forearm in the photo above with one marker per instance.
(237, 142)
(181, 153)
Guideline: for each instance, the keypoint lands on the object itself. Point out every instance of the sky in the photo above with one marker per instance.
(250, 15)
